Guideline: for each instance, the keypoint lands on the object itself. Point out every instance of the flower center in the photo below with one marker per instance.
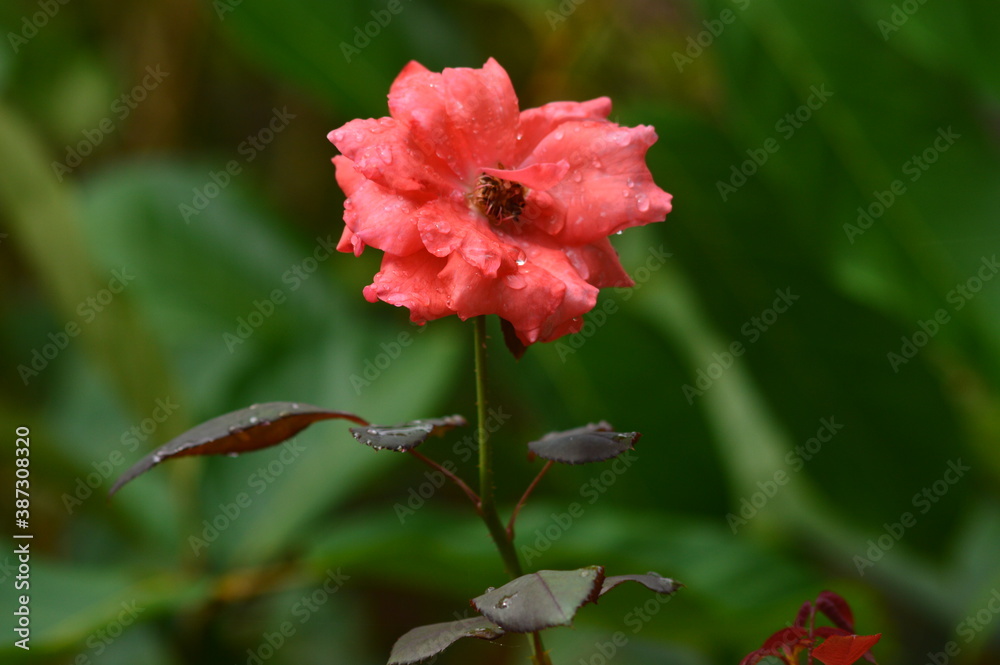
(500, 200)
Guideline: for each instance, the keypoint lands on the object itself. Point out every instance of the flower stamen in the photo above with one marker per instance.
(500, 200)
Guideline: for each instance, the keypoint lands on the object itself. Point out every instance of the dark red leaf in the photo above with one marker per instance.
(754, 657)
(804, 615)
(540, 600)
(258, 426)
(844, 649)
(652, 581)
(510, 338)
(827, 631)
(837, 609)
(426, 641)
(786, 637)
(405, 436)
(591, 443)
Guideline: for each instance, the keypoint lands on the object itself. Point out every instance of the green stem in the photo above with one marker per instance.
(487, 502)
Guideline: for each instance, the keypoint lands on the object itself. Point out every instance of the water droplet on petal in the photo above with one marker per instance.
(520, 136)
(558, 134)
(618, 233)
(626, 193)
(642, 202)
(515, 282)
(522, 258)
(596, 163)
(630, 182)
(577, 176)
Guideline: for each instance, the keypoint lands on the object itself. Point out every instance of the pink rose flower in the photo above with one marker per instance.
(481, 208)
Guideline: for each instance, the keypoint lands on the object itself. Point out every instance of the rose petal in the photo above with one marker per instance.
(535, 124)
(446, 226)
(536, 176)
(609, 187)
(350, 243)
(383, 151)
(411, 282)
(598, 263)
(383, 219)
(526, 299)
(579, 298)
(467, 117)
(347, 176)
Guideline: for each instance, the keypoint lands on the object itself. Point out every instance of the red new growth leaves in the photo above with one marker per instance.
(844, 649)
(840, 646)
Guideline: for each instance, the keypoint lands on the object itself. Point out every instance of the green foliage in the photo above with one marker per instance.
(851, 262)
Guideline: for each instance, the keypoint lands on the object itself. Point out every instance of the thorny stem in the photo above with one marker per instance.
(487, 504)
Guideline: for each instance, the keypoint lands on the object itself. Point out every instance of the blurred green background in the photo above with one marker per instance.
(165, 170)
